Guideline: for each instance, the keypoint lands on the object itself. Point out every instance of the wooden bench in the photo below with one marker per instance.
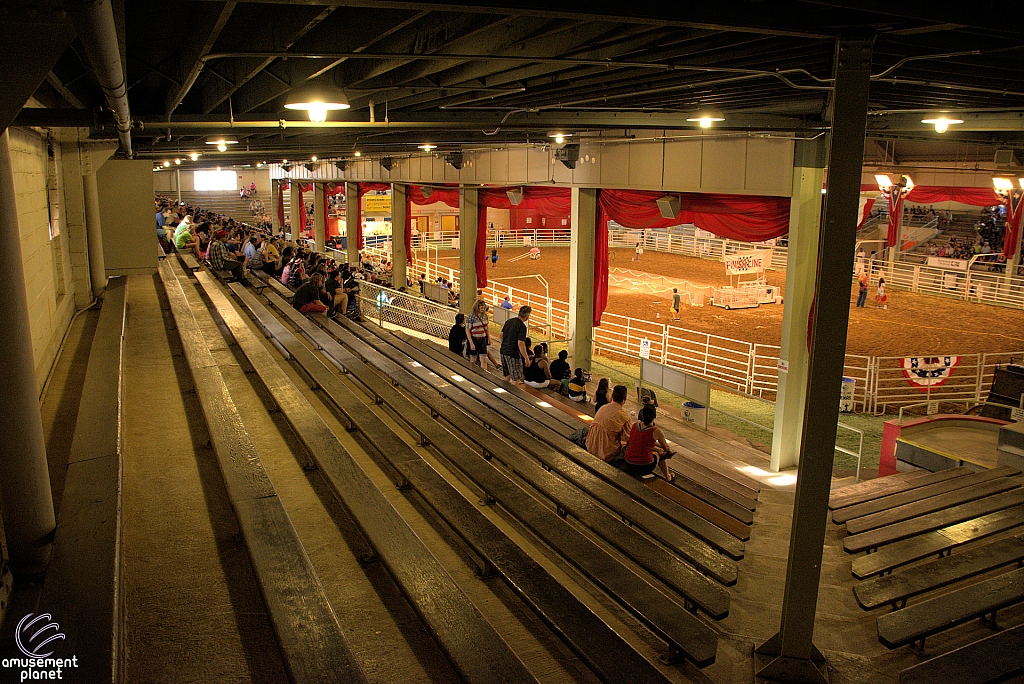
(83, 579)
(275, 284)
(313, 644)
(189, 261)
(527, 403)
(991, 659)
(891, 484)
(896, 588)
(614, 488)
(932, 521)
(939, 542)
(592, 639)
(939, 502)
(914, 624)
(891, 501)
(472, 645)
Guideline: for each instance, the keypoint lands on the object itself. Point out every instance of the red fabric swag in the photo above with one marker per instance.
(543, 199)
(931, 194)
(281, 187)
(303, 188)
(736, 217)
(414, 195)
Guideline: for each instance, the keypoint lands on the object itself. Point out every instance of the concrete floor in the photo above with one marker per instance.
(192, 608)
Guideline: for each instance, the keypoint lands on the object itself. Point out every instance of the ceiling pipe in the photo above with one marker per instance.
(94, 21)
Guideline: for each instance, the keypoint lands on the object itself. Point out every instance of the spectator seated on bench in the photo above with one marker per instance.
(307, 298)
(578, 386)
(647, 449)
(611, 427)
(222, 260)
(538, 374)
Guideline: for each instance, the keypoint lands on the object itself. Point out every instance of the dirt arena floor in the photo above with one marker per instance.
(912, 325)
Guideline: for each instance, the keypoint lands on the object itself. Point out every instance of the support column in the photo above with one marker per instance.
(94, 230)
(177, 183)
(399, 221)
(792, 648)
(25, 485)
(804, 226)
(293, 189)
(469, 208)
(581, 276)
(319, 217)
(275, 222)
(352, 217)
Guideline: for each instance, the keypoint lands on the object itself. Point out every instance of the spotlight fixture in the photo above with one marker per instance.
(309, 167)
(942, 122)
(559, 137)
(167, 163)
(222, 147)
(341, 165)
(1004, 186)
(284, 161)
(194, 156)
(568, 155)
(316, 99)
(313, 158)
(177, 160)
(706, 116)
(427, 147)
(221, 140)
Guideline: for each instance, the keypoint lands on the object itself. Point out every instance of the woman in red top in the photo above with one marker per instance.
(647, 448)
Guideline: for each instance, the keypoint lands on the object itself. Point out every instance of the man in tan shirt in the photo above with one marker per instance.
(609, 432)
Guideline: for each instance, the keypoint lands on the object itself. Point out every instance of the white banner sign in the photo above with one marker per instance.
(748, 262)
(945, 262)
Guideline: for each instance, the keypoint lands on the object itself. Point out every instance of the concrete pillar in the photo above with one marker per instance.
(94, 230)
(177, 183)
(802, 259)
(27, 505)
(272, 206)
(399, 256)
(792, 648)
(352, 217)
(581, 276)
(319, 217)
(293, 189)
(469, 208)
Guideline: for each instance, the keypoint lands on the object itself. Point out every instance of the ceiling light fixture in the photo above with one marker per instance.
(942, 123)
(177, 160)
(427, 147)
(706, 116)
(313, 158)
(316, 99)
(194, 156)
(222, 147)
(167, 163)
(358, 153)
(559, 136)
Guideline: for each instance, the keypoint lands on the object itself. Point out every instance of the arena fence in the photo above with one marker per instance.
(881, 384)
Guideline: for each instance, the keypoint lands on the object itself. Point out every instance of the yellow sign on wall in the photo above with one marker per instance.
(377, 204)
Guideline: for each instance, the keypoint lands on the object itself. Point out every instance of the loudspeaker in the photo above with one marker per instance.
(386, 163)
(568, 155)
(309, 167)
(427, 191)
(454, 158)
(287, 168)
(668, 206)
(341, 165)
(515, 196)
(1005, 157)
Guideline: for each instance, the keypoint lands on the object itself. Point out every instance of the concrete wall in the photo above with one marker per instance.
(166, 182)
(46, 261)
(126, 211)
(638, 160)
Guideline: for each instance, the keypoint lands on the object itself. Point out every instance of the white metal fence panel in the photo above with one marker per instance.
(896, 383)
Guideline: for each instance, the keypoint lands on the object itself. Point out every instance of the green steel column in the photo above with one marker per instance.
(293, 190)
(27, 505)
(792, 648)
(581, 276)
(468, 211)
(399, 257)
(804, 225)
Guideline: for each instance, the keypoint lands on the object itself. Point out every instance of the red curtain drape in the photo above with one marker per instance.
(933, 194)
(414, 195)
(303, 188)
(543, 199)
(330, 189)
(736, 217)
(281, 187)
(354, 212)
(895, 200)
(1014, 204)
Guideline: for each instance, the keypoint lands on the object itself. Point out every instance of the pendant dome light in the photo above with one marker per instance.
(316, 99)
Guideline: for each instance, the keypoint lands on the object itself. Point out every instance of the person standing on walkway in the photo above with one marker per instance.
(514, 354)
(675, 304)
(639, 251)
(862, 297)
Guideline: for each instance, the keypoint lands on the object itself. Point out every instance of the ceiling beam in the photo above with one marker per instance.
(191, 59)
